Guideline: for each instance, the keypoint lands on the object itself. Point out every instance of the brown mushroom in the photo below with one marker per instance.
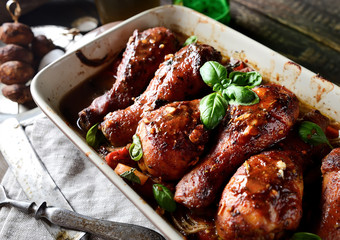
(16, 33)
(12, 72)
(41, 45)
(19, 93)
(11, 52)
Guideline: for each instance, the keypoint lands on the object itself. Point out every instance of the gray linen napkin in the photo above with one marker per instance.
(88, 191)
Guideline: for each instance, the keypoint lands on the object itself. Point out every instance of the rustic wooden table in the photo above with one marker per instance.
(306, 31)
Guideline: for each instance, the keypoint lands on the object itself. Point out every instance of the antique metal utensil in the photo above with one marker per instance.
(73, 220)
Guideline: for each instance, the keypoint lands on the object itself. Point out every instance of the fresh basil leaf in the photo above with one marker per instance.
(218, 87)
(249, 79)
(94, 137)
(131, 176)
(212, 110)
(238, 95)
(190, 40)
(233, 90)
(226, 82)
(164, 197)
(305, 236)
(212, 72)
(311, 133)
(254, 78)
(135, 150)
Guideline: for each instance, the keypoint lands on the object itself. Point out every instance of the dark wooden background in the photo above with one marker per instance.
(306, 31)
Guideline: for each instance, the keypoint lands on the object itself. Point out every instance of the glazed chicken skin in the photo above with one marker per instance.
(177, 79)
(172, 138)
(246, 131)
(141, 58)
(263, 199)
(329, 228)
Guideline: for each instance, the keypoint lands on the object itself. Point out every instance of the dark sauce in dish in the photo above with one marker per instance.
(82, 95)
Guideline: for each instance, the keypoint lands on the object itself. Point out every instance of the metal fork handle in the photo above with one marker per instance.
(101, 228)
(26, 207)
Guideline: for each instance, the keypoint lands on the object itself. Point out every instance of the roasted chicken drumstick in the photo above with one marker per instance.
(263, 199)
(330, 218)
(177, 79)
(143, 54)
(246, 131)
(172, 138)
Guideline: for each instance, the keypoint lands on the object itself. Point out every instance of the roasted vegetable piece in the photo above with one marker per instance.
(263, 199)
(15, 72)
(19, 93)
(177, 79)
(143, 54)
(16, 33)
(246, 130)
(173, 138)
(119, 156)
(329, 228)
(131, 174)
(11, 52)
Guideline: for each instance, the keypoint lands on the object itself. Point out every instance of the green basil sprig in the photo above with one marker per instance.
(164, 197)
(213, 73)
(131, 176)
(237, 95)
(135, 150)
(305, 236)
(190, 40)
(312, 133)
(212, 109)
(248, 79)
(233, 89)
(94, 137)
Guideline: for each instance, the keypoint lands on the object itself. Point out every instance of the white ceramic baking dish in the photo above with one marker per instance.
(52, 83)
